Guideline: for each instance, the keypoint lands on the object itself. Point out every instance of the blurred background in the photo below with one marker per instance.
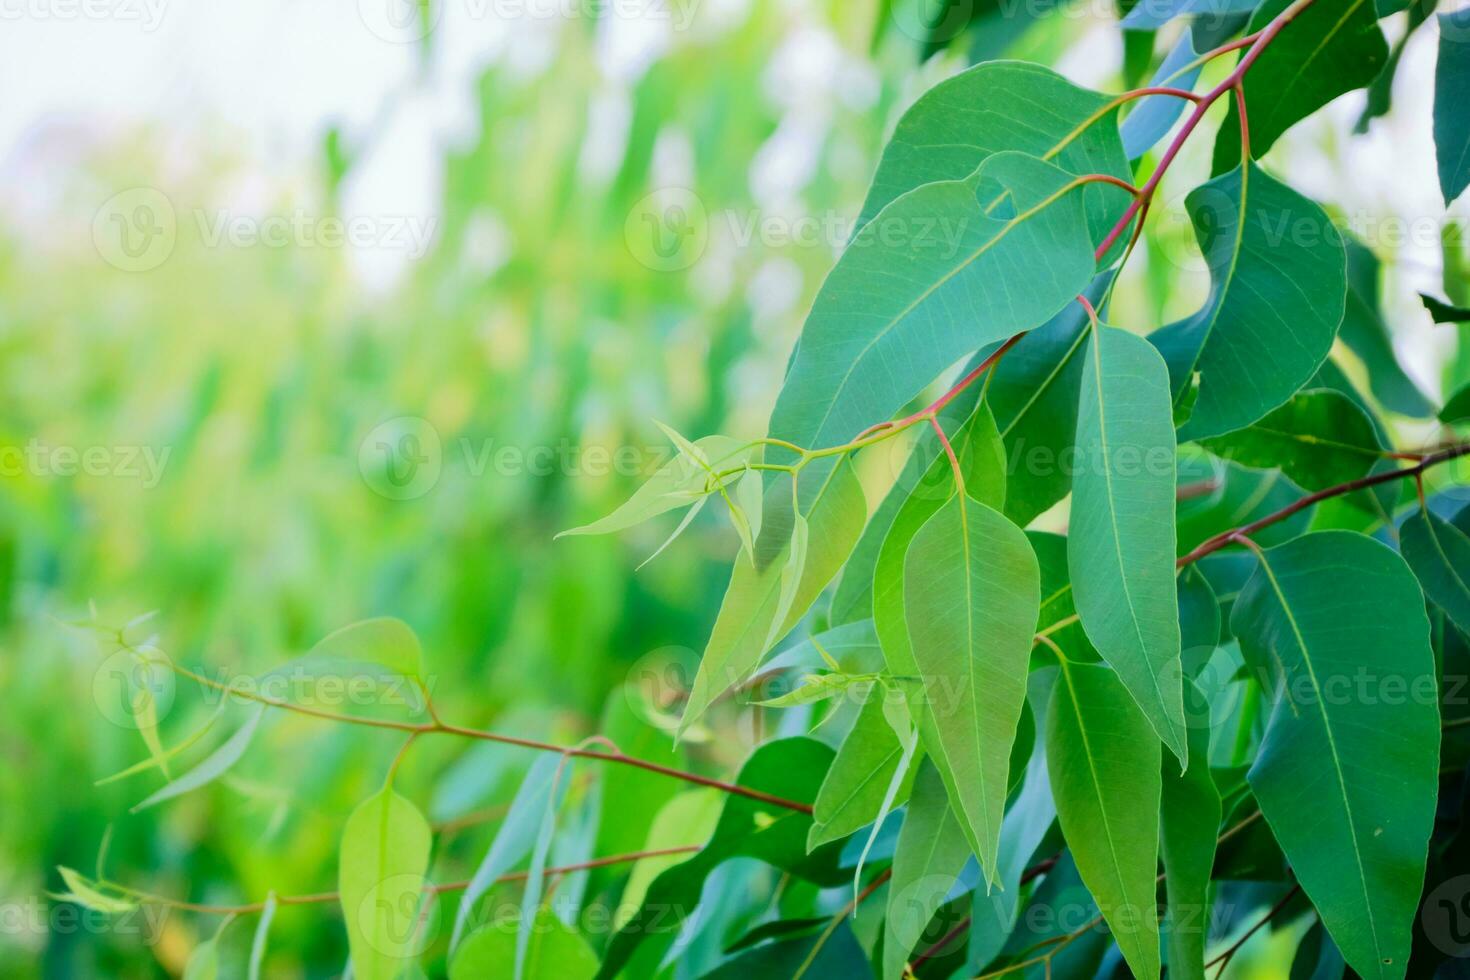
(316, 312)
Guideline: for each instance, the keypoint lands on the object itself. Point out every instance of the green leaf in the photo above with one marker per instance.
(1279, 286)
(687, 819)
(203, 962)
(90, 894)
(764, 601)
(1199, 622)
(213, 766)
(261, 937)
(790, 768)
(1366, 334)
(1457, 409)
(1319, 438)
(554, 952)
(1451, 123)
(677, 483)
(1153, 116)
(1121, 546)
(853, 791)
(1104, 762)
(1328, 49)
(1156, 13)
(1442, 312)
(971, 592)
(1224, 495)
(1347, 773)
(1190, 819)
(1004, 106)
(381, 864)
(387, 642)
(1439, 554)
(818, 687)
(944, 269)
(932, 850)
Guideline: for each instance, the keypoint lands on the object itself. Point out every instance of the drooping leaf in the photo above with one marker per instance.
(1121, 546)
(1380, 92)
(790, 768)
(1104, 761)
(1326, 50)
(261, 937)
(381, 863)
(1190, 818)
(1439, 554)
(688, 818)
(554, 951)
(1153, 116)
(203, 961)
(1279, 284)
(1004, 106)
(833, 952)
(1156, 13)
(853, 790)
(1199, 623)
(1347, 773)
(214, 765)
(1319, 438)
(1442, 312)
(761, 605)
(932, 850)
(944, 269)
(971, 600)
(1451, 124)
(1367, 335)
(539, 793)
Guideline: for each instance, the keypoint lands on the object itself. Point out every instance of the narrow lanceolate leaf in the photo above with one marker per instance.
(1328, 49)
(1153, 116)
(853, 790)
(214, 765)
(1279, 286)
(1104, 762)
(1319, 438)
(1121, 544)
(1347, 772)
(1190, 819)
(1157, 13)
(261, 938)
(769, 592)
(944, 269)
(380, 876)
(554, 951)
(972, 595)
(1366, 334)
(1439, 554)
(998, 106)
(932, 850)
(1451, 122)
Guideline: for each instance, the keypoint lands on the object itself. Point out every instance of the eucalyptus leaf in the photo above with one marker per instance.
(382, 861)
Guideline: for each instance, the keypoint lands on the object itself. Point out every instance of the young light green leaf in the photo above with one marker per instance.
(745, 509)
(791, 574)
(515, 837)
(387, 642)
(203, 962)
(1189, 822)
(1439, 554)
(214, 765)
(997, 106)
(1104, 762)
(1318, 439)
(971, 593)
(1121, 546)
(936, 274)
(818, 687)
(1280, 282)
(683, 526)
(261, 937)
(535, 884)
(155, 763)
(382, 861)
(89, 894)
(748, 623)
(852, 792)
(1347, 774)
(1451, 123)
(931, 853)
(1328, 49)
(687, 819)
(553, 951)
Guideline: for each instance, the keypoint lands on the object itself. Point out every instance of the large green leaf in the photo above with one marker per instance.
(1451, 122)
(1319, 438)
(1439, 554)
(998, 106)
(1104, 761)
(762, 604)
(381, 864)
(790, 768)
(555, 952)
(971, 601)
(1121, 546)
(1328, 49)
(944, 269)
(932, 850)
(1189, 820)
(1346, 775)
(852, 795)
(1279, 284)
